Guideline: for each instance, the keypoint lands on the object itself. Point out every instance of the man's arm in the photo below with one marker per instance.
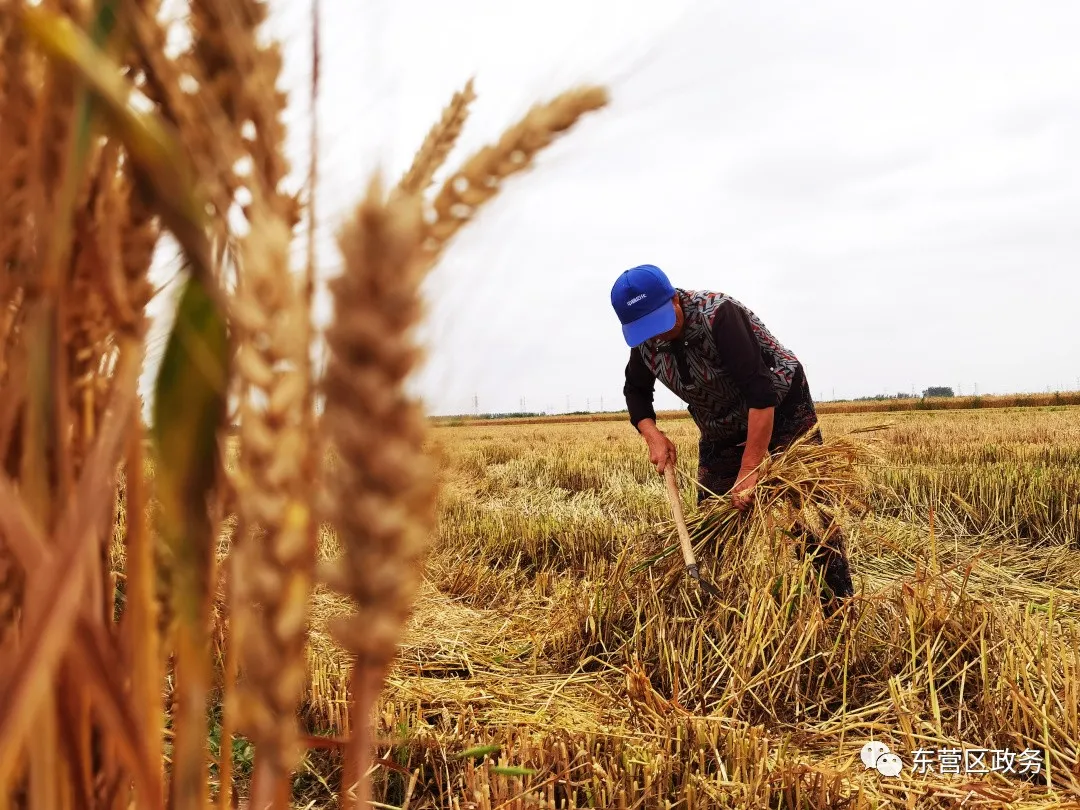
(638, 390)
(758, 436)
(742, 359)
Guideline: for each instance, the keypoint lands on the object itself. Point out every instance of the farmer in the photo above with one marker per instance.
(746, 392)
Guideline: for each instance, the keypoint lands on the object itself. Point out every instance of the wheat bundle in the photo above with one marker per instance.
(818, 487)
(740, 651)
(915, 659)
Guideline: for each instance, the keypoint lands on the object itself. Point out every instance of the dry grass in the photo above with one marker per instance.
(547, 627)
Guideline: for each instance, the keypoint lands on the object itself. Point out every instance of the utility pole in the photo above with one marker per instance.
(476, 404)
(587, 405)
(601, 403)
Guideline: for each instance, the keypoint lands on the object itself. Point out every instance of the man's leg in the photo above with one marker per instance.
(796, 417)
(829, 556)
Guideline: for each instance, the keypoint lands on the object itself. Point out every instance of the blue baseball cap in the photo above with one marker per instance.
(641, 297)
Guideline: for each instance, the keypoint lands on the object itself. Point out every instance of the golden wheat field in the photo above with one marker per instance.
(539, 671)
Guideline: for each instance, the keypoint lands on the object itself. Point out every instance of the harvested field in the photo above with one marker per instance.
(531, 633)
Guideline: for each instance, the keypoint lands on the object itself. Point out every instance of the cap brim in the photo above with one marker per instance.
(649, 326)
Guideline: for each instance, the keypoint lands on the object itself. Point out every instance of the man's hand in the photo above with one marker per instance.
(758, 435)
(661, 449)
(743, 492)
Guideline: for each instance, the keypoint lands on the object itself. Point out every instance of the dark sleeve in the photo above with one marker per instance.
(638, 389)
(741, 356)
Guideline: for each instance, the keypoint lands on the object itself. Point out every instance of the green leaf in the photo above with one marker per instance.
(101, 29)
(190, 407)
(479, 751)
(86, 109)
(511, 770)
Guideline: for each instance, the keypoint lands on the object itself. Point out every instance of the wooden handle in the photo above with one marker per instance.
(680, 521)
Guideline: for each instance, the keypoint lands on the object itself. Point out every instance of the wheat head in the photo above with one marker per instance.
(382, 490)
(273, 577)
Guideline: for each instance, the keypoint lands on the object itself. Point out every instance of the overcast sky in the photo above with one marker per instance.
(893, 188)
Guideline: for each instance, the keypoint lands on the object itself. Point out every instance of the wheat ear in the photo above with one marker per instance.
(481, 176)
(438, 143)
(383, 488)
(273, 588)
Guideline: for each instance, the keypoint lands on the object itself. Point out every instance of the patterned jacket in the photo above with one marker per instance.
(715, 381)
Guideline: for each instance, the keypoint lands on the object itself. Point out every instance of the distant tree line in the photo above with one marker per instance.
(505, 415)
(934, 391)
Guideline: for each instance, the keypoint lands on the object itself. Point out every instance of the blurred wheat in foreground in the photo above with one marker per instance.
(156, 580)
